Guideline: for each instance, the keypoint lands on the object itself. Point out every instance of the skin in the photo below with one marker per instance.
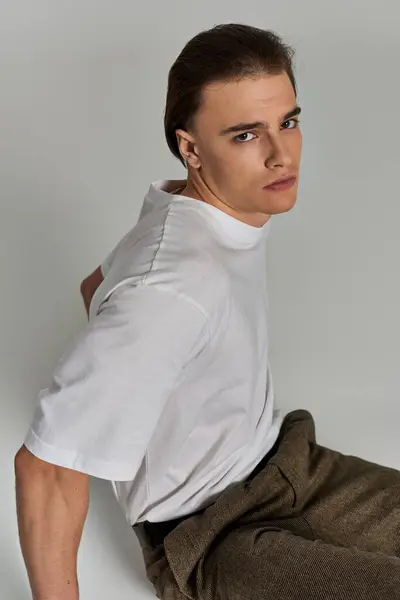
(52, 501)
(230, 172)
(52, 505)
(89, 286)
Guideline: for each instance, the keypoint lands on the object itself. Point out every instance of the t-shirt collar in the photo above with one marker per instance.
(248, 235)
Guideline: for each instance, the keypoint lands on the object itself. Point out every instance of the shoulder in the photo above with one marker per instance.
(171, 250)
(189, 262)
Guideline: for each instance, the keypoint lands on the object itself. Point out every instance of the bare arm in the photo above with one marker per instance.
(89, 286)
(52, 504)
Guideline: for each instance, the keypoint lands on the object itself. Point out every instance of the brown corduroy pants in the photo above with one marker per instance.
(313, 524)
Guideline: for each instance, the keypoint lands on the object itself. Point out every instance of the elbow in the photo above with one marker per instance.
(26, 464)
(20, 460)
(91, 283)
(28, 467)
(23, 463)
(84, 288)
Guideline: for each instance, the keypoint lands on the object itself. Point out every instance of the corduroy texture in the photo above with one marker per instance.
(313, 524)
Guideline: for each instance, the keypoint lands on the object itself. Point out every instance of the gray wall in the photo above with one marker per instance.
(82, 86)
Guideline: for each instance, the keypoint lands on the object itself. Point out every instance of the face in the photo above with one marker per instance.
(244, 137)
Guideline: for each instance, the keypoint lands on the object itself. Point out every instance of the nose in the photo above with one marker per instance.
(278, 154)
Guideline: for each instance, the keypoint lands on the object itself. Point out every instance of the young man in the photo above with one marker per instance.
(168, 393)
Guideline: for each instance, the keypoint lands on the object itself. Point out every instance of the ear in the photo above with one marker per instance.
(188, 149)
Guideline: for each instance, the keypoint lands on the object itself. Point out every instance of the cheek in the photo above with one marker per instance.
(233, 166)
(297, 146)
(220, 160)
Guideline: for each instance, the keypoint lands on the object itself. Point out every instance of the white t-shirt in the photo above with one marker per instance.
(167, 391)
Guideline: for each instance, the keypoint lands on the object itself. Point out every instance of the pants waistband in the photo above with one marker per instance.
(154, 534)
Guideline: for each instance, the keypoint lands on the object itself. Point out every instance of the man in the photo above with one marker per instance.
(168, 393)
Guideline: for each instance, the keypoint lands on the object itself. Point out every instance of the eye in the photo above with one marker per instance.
(241, 138)
(291, 124)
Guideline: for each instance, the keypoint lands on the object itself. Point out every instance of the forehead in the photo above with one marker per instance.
(249, 99)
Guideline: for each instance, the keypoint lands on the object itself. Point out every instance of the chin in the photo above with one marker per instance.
(281, 206)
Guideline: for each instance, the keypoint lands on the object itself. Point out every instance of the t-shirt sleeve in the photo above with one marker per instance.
(110, 387)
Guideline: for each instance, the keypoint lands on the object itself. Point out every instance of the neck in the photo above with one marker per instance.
(197, 189)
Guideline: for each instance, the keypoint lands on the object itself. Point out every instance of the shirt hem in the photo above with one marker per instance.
(77, 462)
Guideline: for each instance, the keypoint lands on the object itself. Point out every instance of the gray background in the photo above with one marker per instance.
(82, 87)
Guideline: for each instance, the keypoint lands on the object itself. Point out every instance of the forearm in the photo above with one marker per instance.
(51, 506)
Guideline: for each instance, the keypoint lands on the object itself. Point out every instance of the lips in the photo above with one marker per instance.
(282, 184)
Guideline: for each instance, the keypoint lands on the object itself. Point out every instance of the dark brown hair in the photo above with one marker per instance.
(223, 53)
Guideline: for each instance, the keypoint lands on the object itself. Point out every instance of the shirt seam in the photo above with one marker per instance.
(145, 276)
(181, 295)
(143, 285)
(189, 299)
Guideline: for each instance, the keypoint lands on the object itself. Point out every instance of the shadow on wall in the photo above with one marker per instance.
(42, 311)
(113, 531)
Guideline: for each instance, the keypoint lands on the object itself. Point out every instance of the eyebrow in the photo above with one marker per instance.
(259, 124)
